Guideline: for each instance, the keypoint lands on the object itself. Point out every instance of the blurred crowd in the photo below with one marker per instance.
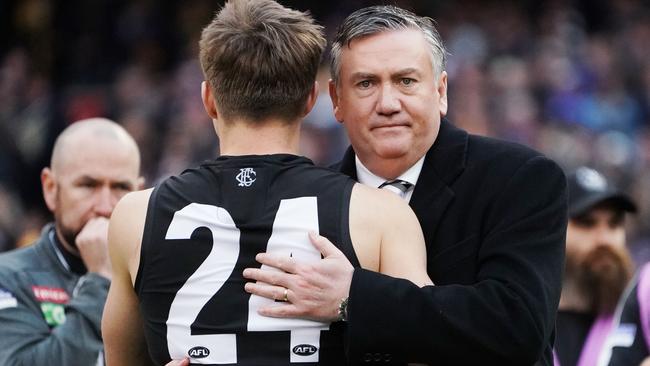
(569, 78)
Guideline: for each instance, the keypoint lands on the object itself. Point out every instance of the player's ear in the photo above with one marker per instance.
(311, 99)
(208, 100)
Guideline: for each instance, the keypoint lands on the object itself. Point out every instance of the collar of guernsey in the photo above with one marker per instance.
(368, 178)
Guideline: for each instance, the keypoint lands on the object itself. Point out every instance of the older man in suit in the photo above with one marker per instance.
(493, 215)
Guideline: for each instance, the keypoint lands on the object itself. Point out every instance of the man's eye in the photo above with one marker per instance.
(364, 84)
(408, 81)
(584, 221)
(617, 220)
(123, 187)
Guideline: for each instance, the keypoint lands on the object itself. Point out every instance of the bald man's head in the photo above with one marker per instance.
(95, 162)
(92, 129)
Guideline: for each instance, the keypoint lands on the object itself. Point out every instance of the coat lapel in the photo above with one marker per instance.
(347, 165)
(443, 163)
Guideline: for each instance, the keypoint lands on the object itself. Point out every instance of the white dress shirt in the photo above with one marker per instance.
(368, 178)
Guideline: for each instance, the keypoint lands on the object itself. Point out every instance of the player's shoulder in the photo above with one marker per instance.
(133, 202)
(316, 180)
(366, 192)
(195, 178)
(377, 202)
(323, 174)
(129, 215)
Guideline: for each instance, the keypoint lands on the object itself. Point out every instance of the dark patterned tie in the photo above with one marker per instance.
(397, 186)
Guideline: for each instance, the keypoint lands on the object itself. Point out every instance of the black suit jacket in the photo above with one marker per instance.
(494, 218)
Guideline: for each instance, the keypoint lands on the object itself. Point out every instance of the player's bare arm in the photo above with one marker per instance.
(121, 324)
(381, 215)
(375, 217)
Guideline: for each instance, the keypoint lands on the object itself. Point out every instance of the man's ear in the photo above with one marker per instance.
(442, 93)
(311, 99)
(338, 114)
(50, 188)
(208, 100)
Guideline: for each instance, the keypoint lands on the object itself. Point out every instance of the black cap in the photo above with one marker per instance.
(587, 188)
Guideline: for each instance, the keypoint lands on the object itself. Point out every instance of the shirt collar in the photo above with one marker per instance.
(71, 262)
(365, 176)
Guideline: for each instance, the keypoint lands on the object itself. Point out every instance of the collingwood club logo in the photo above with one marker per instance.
(246, 177)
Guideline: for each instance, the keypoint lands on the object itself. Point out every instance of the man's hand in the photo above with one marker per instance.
(314, 291)
(92, 243)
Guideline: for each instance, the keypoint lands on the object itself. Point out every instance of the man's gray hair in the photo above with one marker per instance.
(377, 19)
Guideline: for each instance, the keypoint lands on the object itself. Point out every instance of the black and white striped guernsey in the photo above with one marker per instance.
(204, 227)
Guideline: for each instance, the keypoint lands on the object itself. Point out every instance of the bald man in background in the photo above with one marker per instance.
(52, 293)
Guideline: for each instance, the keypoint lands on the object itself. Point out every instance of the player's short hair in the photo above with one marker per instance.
(385, 18)
(261, 59)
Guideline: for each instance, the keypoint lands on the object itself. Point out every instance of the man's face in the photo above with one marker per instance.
(597, 258)
(388, 98)
(89, 181)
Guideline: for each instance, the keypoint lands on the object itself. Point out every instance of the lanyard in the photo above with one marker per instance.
(595, 340)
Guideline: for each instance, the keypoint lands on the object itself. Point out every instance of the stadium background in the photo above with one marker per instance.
(569, 78)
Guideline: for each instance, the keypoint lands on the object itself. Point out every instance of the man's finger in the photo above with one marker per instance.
(281, 262)
(268, 276)
(324, 245)
(264, 290)
(287, 310)
(98, 222)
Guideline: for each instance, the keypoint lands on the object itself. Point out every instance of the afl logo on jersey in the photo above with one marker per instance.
(304, 350)
(198, 352)
(246, 177)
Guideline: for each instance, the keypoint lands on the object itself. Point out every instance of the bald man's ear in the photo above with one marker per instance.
(208, 100)
(50, 188)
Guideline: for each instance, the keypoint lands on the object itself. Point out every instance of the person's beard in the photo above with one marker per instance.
(601, 276)
(67, 235)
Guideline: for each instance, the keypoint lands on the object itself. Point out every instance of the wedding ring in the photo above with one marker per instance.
(285, 298)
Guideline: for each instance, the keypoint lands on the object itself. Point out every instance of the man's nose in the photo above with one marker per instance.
(389, 102)
(606, 235)
(104, 202)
